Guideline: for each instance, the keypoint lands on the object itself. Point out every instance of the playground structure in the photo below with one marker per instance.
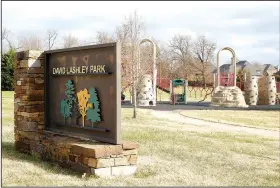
(146, 94)
(175, 96)
(260, 90)
(228, 96)
(251, 90)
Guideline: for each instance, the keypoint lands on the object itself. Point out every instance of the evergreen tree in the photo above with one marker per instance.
(7, 70)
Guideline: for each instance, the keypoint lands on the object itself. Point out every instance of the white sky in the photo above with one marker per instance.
(250, 28)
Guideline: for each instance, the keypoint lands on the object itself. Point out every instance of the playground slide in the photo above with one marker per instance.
(163, 89)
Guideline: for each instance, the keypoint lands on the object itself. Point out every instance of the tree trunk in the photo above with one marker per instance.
(204, 79)
(204, 82)
(134, 100)
(83, 120)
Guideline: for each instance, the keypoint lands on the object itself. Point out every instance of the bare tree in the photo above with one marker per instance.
(103, 37)
(32, 42)
(203, 50)
(5, 33)
(130, 33)
(164, 59)
(181, 54)
(70, 41)
(51, 38)
(6, 37)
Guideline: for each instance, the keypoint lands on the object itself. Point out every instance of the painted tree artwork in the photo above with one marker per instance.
(93, 112)
(87, 104)
(67, 104)
(65, 109)
(70, 91)
(83, 97)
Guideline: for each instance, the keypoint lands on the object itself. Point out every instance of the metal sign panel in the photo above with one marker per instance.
(83, 91)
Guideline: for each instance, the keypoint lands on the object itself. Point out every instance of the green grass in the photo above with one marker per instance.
(252, 118)
(168, 156)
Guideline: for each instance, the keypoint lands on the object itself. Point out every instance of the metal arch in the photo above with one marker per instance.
(233, 62)
(154, 63)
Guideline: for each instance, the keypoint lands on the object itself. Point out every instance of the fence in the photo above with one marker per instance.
(197, 90)
(278, 87)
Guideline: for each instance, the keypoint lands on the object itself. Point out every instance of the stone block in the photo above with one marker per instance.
(102, 172)
(85, 160)
(20, 55)
(34, 108)
(30, 70)
(87, 150)
(127, 145)
(26, 126)
(113, 150)
(26, 114)
(15, 106)
(100, 163)
(124, 170)
(30, 63)
(35, 92)
(35, 54)
(35, 86)
(96, 150)
(41, 127)
(130, 152)
(32, 97)
(28, 135)
(132, 159)
(121, 161)
(39, 81)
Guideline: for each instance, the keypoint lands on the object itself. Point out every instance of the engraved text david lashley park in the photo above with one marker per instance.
(79, 69)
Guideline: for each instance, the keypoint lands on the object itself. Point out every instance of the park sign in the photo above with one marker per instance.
(82, 92)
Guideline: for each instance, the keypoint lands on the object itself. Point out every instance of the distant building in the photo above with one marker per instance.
(270, 70)
(252, 69)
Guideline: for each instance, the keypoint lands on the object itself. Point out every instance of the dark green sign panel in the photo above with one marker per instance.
(82, 92)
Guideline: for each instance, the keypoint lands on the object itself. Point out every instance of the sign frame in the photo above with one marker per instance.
(85, 132)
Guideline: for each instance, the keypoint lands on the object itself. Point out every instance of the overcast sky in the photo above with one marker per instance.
(250, 28)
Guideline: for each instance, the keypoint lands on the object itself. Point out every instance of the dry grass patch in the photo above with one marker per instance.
(166, 158)
(253, 118)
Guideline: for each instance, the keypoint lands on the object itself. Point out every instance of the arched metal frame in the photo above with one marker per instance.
(233, 62)
(154, 64)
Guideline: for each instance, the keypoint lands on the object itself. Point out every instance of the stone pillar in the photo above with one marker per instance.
(28, 99)
(267, 90)
(251, 90)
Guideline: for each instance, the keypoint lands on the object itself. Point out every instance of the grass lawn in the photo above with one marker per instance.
(168, 156)
(253, 118)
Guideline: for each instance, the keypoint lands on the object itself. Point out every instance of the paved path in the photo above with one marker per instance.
(175, 116)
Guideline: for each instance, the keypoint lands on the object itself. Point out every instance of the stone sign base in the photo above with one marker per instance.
(100, 159)
(31, 137)
(226, 96)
